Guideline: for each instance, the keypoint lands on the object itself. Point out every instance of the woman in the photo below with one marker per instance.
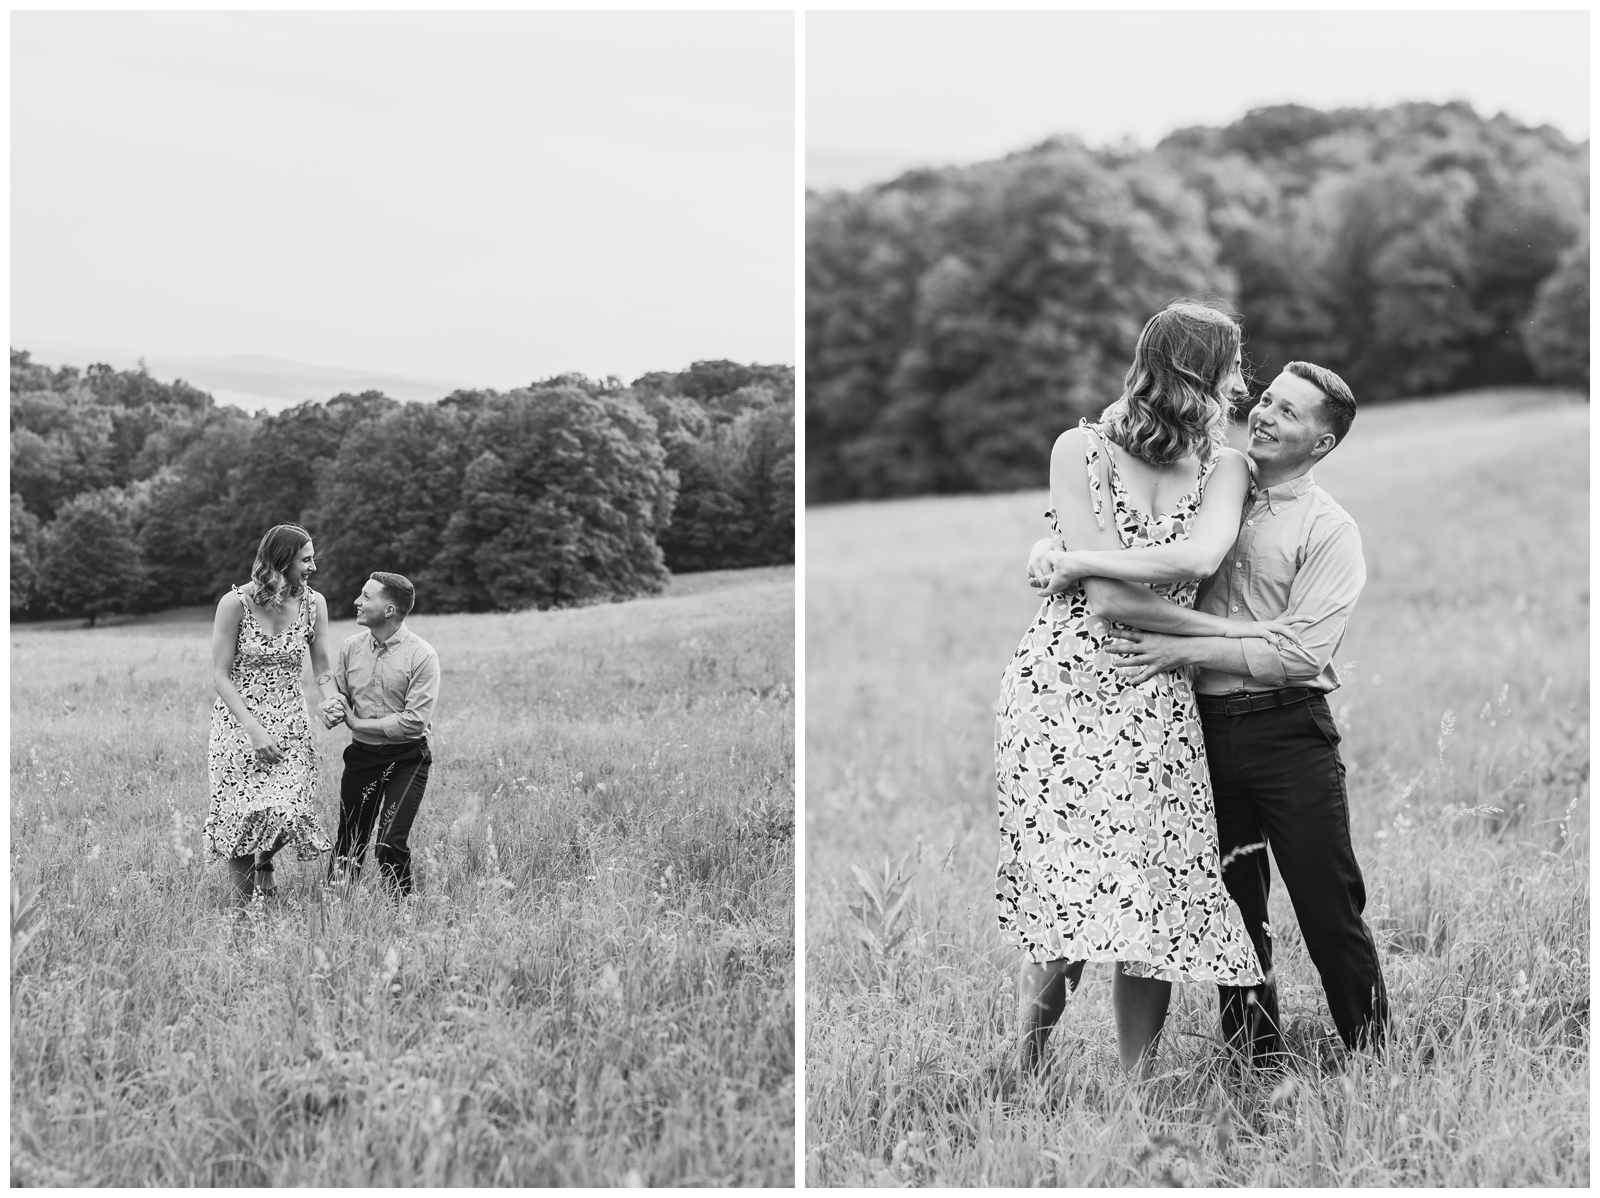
(1109, 836)
(262, 762)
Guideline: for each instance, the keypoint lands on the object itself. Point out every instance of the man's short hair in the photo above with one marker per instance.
(1338, 404)
(397, 589)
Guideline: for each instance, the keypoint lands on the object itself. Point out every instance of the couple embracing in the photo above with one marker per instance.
(1165, 718)
(382, 686)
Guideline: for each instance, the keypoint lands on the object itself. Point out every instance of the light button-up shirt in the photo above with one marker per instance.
(395, 682)
(1297, 559)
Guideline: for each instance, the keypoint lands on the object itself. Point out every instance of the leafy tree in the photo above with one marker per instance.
(865, 253)
(1396, 273)
(60, 447)
(559, 493)
(709, 381)
(1402, 246)
(384, 499)
(277, 480)
(761, 441)
(957, 320)
(1557, 334)
(183, 528)
(1012, 314)
(25, 544)
(561, 503)
(90, 563)
(733, 455)
(707, 518)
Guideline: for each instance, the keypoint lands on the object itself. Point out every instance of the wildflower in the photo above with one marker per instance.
(180, 841)
(1566, 819)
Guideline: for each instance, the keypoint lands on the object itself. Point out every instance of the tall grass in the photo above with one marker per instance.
(594, 985)
(1465, 722)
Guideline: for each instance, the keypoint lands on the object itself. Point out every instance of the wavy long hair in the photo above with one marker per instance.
(1169, 406)
(280, 545)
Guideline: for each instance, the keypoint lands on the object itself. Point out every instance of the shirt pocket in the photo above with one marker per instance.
(1271, 576)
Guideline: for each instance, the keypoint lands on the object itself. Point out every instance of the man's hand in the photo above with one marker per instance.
(1141, 655)
(332, 711)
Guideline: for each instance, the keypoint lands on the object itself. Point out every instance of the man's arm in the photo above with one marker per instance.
(1142, 655)
(335, 706)
(1321, 597)
(422, 692)
(1324, 591)
(1140, 607)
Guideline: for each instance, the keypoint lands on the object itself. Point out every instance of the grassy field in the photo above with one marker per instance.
(1465, 719)
(595, 985)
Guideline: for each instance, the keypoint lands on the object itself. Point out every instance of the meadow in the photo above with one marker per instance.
(1464, 715)
(595, 984)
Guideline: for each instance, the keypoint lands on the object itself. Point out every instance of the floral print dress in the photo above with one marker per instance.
(1109, 834)
(258, 808)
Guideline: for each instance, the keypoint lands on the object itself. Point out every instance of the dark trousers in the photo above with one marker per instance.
(382, 788)
(1277, 777)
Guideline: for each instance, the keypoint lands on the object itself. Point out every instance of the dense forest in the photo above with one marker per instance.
(958, 319)
(129, 494)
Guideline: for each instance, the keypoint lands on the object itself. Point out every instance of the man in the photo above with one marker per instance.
(1271, 743)
(388, 682)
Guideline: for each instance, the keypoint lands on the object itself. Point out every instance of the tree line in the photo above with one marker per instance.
(958, 319)
(131, 495)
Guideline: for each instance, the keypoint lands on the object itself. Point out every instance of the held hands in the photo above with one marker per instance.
(1053, 570)
(1139, 655)
(333, 711)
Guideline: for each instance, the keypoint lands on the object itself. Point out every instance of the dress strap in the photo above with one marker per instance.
(1091, 453)
(1205, 473)
(307, 612)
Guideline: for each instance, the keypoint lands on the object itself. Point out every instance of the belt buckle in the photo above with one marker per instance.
(1238, 706)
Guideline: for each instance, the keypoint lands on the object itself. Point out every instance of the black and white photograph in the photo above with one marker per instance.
(402, 703)
(1196, 572)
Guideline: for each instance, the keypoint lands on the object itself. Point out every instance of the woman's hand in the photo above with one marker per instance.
(1053, 571)
(263, 748)
(1268, 630)
(1039, 567)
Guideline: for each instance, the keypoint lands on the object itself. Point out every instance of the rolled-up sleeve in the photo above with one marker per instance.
(341, 670)
(422, 692)
(1263, 661)
(1321, 598)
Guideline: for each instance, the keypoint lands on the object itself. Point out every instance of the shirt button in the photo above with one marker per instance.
(1251, 523)
(1234, 608)
(1240, 565)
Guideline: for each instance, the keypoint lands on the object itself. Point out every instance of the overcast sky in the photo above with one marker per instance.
(890, 90)
(483, 198)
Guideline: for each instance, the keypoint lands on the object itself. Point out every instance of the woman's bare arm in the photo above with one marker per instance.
(1071, 498)
(1216, 527)
(224, 646)
(321, 668)
(1139, 607)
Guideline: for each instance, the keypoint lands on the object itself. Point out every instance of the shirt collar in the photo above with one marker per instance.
(400, 634)
(1284, 493)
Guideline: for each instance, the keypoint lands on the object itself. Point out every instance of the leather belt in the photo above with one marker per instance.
(1244, 702)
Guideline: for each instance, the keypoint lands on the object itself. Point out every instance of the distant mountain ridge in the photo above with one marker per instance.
(251, 381)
